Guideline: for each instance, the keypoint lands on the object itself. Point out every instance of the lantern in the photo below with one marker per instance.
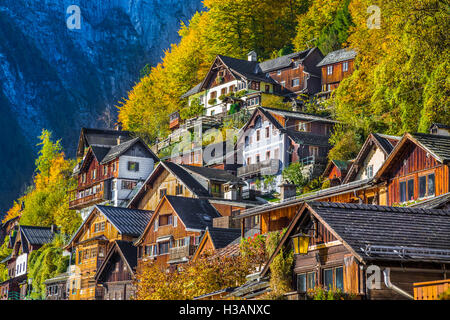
(300, 242)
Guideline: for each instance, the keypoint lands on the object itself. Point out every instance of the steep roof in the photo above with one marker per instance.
(118, 150)
(37, 235)
(128, 253)
(283, 61)
(298, 115)
(438, 202)
(100, 152)
(440, 125)
(130, 222)
(192, 91)
(222, 237)
(386, 142)
(244, 68)
(437, 144)
(337, 56)
(195, 213)
(187, 179)
(100, 137)
(307, 138)
(212, 174)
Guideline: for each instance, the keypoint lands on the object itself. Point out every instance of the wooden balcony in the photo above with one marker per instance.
(430, 290)
(77, 202)
(178, 253)
(263, 168)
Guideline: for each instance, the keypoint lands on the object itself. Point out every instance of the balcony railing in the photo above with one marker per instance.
(264, 168)
(78, 198)
(178, 253)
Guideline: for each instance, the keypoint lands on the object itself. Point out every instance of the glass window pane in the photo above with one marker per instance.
(301, 282)
(311, 280)
(422, 186)
(410, 189)
(328, 278)
(431, 187)
(402, 191)
(339, 278)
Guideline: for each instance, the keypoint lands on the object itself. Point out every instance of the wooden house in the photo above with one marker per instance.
(215, 239)
(94, 238)
(56, 287)
(334, 68)
(186, 181)
(238, 82)
(335, 171)
(440, 129)
(23, 242)
(117, 272)
(417, 169)
(274, 138)
(174, 231)
(108, 174)
(372, 252)
(7, 227)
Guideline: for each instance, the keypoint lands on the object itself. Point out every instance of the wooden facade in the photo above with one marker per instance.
(331, 81)
(430, 290)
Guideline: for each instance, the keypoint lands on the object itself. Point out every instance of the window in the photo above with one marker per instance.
(295, 82)
(278, 72)
(369, 171)
(99, 226)
(246, 141)
(301, 282)
(403, 191)
(311, 280)
(283, 84)
(223, 91)
(133, 166)
(232, 88)
(162, 193)
(213, 94)
(163, 247)
(296, 64)
(105, 170)
(267, 132)
(101, 252)
(267, 155)
(257, 135)
(345, 66)
(314, 151)
(328, 278)
(329, 70)
(422, 186)
(215, 188)
(249, 160)
(339, 278)
(257, 158)
(94, 174)
(411, 189)
(333, 278)
(267, 88)
(302, 126)
(114, 167)
(431, 187)
(178, 189)
(165, 220)
(128, 185)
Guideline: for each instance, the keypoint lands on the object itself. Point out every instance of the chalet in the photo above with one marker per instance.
(175, 229)
(187, 181)
(7, 227)
(417, 168)
(100, 138)
(334, 68)
(24, 242)
(235, 83)
(56, 287)
(108, 174)
(215, 239)
(372, 252)
(94, 238)
(117, 272)
(335, 171)
(273, 139)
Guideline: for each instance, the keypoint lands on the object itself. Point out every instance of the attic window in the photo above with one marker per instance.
(345, 66)
(329, 70)
(133, 166)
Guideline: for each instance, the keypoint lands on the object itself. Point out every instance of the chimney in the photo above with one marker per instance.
(119, 140)
(287, 190)
(252, 56)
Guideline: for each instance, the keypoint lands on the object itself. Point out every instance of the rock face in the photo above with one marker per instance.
(61, 78)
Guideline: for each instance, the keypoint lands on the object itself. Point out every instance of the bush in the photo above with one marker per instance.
(319, 293)
(212, 101)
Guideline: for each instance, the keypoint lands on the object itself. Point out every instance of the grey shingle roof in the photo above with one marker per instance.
(192, 91)
(100, 152)
(129, 252)
(307, 138)
(130, 222)
(361, 225)
(441, 125)
(212, 174)
(104, 137)
(37, 235)
(337, 56)
(438, 202)
(282, 62)
(439, 145)
(298, 115)
(384, 141)
(186, 178)
(221, 237)
(119, 149)
(195, 213)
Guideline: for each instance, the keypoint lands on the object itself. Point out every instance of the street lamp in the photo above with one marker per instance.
(300, 242)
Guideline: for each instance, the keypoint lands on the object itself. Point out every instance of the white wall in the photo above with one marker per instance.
(376, 158)
(21, 265)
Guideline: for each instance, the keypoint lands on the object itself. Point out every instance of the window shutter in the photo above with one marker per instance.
(137, 166)
(175, 221)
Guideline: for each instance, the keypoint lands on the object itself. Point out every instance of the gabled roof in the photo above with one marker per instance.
(130, 222)
(192, 91)
(100, 152)
(338, 56)
(219, 238)
(440, 125)
(195, 213)
(439, 202)
(37, 235)
(283, 61)
(100, 137)
(360, 227)
(437, 146)
(298, 115)
(118, 150)
(342, 165)
(127, 252)
(384, 142)
(212, 174)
